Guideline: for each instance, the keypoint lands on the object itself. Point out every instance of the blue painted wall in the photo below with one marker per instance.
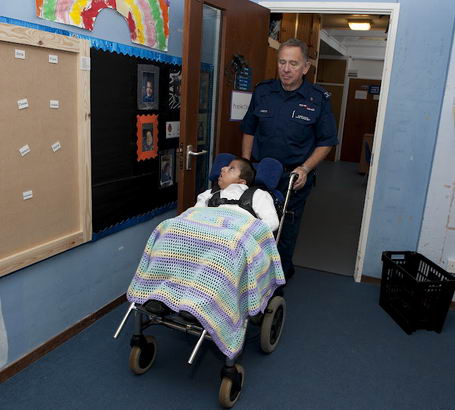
(109, 24)
(44, 299)
(419, 72)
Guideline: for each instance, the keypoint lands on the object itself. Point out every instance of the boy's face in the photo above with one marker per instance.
(230, 175)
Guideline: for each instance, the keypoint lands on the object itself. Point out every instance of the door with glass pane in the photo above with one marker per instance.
(214, 32)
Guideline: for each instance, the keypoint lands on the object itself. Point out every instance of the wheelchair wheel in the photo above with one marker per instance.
(229, 393)
(142, 358)
(272, 324)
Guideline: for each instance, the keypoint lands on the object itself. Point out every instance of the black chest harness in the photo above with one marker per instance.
(245, 201)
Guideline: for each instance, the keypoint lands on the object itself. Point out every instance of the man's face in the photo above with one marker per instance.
(230, 175)
(149, 89)
(291, 67)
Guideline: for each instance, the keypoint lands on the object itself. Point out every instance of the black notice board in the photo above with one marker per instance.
(123, 187)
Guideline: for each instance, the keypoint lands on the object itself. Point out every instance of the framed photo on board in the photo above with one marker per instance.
(147, 87)
(175, 81)
(167, 168)
(147, 137)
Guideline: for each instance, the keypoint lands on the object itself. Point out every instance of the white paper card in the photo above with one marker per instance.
(376, 97)
(53, 59)
(56, 146)
(172, 129)
(85, 63)
(27, 195)
(240, 102)
(24, 150)
(54, 104)
(19, 54)
(361, 94)
(22, 103)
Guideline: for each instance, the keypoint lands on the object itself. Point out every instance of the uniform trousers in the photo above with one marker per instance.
(296, 204)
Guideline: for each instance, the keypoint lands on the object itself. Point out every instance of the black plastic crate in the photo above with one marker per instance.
(415, 292)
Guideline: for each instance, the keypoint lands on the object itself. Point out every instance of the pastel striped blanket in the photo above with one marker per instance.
(221, 265)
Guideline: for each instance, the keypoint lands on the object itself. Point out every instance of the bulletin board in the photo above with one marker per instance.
(125, 183)
(45, 196)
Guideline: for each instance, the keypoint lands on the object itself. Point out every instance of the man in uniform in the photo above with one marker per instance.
(290, 119)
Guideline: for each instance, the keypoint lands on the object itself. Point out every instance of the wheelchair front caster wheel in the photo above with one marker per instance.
(272, 324)
(230, 389)
(142, 357)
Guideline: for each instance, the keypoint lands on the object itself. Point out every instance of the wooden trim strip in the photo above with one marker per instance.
(56, 341)
(370, 279)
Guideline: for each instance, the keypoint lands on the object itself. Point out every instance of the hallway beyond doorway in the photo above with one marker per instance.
(330, 228)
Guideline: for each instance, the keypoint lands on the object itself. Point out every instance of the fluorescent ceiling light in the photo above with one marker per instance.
(363, 25)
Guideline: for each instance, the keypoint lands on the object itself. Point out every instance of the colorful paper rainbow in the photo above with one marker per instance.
(148, 20)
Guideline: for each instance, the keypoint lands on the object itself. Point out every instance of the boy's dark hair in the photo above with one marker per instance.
(247, 171)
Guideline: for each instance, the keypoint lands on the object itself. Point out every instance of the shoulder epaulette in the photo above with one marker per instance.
(323, 91)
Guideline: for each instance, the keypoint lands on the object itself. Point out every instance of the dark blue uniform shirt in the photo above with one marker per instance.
(288, 126)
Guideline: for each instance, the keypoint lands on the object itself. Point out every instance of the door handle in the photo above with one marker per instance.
(189, 154)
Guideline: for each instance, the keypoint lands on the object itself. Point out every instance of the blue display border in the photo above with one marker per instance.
(100, 44)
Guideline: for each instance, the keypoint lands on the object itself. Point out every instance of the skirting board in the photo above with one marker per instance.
(56, 341)
(377, 281)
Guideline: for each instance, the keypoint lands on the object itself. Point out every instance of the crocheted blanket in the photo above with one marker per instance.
(219, 264)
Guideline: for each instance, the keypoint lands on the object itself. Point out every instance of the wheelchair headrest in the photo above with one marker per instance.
(268, 170)
(268, 173)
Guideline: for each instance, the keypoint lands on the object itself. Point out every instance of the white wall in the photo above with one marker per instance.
(437, 239)
(367, 69)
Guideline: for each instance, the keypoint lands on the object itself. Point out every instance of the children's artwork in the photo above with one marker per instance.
(202, 129)
(172, 129)
(147, 87)
(204, 92)
(148, 21)
(175, 81)
(147, 137)
(167, 168)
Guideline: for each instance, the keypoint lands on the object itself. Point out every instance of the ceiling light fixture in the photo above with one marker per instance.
(363, 25)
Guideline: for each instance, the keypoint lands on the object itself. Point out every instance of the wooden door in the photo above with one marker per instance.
(243, 30)
(361, 112)
(331, 75)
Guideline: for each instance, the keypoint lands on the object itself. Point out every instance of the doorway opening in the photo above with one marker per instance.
(336, 220)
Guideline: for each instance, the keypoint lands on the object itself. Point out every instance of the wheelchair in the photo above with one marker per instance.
(270, 319)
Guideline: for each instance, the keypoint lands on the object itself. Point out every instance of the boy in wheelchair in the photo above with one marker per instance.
(234, 190)
(216, 260)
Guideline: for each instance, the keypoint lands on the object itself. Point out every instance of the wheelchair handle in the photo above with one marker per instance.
(292, 177)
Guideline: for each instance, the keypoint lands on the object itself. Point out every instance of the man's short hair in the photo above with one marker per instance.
(295, 42)
(247, 171)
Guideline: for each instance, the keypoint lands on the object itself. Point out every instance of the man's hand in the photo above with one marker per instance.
(302, 177)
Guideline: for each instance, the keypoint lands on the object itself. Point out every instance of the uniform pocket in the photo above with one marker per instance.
(303, 117)
(263, 112)
(265, 121)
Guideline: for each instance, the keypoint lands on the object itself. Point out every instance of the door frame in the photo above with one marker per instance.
(392, 10)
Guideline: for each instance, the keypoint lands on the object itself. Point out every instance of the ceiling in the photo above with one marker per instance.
(336, 27)
(340, 21)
